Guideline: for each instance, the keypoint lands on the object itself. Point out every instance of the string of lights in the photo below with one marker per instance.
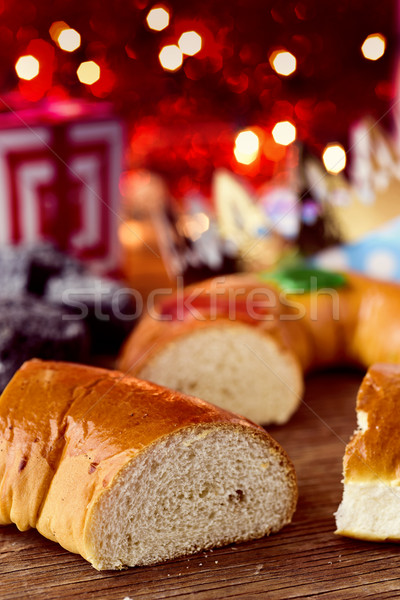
(205, 85)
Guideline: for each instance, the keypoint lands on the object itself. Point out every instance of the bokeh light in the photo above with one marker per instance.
(158, 18)
(171, 57)
(247, 146)
(27, 67)
(190, 43)
(88, 72)
(193, 226)
(284, 133)
(374, 46)
(283, 62)
(69, 40)
(334, 157)
(56, 28)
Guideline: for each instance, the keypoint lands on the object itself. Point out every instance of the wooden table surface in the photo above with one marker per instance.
(305, 560)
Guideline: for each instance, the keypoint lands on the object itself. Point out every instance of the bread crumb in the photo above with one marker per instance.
(216, 562)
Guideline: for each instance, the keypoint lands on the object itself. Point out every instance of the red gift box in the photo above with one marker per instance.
(60, 165)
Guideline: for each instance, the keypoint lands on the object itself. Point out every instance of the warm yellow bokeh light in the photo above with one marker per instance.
(284, 133)
(334, 157)
(190, 43)
(27, 67)
(69, 40)
(247, 145)
(158, 18)
(283, 62)
(171, 57)
(374, 46)
(88, 72)
(56, 28)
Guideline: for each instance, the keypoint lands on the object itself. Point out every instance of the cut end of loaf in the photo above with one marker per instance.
(369, 511)
(200, 488)
(235, 367)
(371, 497)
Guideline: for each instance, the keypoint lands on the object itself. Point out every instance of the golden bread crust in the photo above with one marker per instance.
(353, 324)
(373, 455)
(67, 431)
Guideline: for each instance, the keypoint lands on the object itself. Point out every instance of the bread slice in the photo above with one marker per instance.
(234, 365)
(128, 473)
(371, 498)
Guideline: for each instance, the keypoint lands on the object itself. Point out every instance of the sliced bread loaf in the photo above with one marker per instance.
(128, 473)
(371, 497)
